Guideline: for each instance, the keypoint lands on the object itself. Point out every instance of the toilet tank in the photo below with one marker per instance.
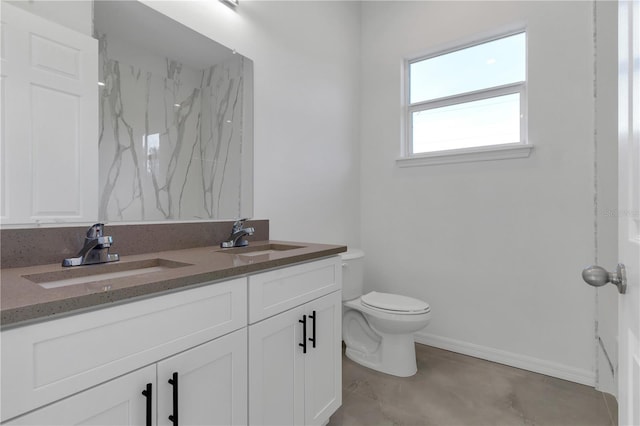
(352, 273)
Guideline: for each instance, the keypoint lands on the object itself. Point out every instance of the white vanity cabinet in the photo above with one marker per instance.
(263, 349)
(295, 370)
(188, 332)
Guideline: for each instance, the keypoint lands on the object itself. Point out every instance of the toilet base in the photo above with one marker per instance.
(396, 355)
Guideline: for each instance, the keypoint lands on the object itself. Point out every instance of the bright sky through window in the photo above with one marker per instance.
(469, 97)
(480, 123)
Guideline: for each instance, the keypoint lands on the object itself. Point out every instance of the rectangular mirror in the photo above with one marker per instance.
(175, 118)
(147, 120)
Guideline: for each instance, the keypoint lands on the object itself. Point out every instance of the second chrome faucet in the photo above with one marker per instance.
(237, 233)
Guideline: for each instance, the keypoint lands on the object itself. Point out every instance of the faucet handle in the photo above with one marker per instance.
(239, 223)
(95, 231)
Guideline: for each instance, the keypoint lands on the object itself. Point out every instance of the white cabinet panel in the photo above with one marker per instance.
(323, 363)
(118, 402)
(212, 383)
(50, 121)
(275, 291)
(276, 370)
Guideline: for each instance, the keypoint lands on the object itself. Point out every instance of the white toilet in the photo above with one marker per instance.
(378, 328)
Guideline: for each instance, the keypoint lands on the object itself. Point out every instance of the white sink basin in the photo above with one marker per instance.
(108, 271)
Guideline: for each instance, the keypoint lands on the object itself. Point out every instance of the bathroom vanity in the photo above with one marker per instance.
(238, 336)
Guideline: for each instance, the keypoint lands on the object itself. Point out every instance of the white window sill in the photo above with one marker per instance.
(464, 155)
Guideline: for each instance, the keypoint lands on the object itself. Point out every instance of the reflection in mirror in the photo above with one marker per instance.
(175, 120)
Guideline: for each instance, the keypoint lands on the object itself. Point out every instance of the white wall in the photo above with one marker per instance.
(496, 248)
(73, 14)
(306, 108)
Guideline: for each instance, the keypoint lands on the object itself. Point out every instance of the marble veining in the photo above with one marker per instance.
(170, 136)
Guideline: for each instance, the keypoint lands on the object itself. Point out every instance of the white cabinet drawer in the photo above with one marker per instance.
(44, 362)
(276, 291)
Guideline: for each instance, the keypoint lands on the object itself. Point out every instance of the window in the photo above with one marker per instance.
(467, 104)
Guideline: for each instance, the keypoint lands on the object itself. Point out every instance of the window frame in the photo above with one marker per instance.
(476, 153)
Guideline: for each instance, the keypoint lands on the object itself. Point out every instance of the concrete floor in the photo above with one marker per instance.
(457, 390)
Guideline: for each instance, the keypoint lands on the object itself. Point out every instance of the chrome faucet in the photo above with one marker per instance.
(237, 232)
(95, 250)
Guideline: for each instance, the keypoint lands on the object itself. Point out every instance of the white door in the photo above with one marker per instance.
(118, 402)
(276, 370)
(629, 211)
(323, 362)
(209, 383)
(49, 134)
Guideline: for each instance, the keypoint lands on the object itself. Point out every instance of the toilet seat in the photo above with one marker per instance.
(394, 303)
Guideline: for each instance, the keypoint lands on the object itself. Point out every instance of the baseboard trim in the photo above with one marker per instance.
(511, 359)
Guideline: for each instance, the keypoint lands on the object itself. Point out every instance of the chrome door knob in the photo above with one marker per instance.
(597, 276)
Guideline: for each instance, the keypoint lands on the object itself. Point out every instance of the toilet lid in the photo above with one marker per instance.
(394, 302)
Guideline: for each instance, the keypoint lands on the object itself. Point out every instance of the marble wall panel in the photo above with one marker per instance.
(170, 136)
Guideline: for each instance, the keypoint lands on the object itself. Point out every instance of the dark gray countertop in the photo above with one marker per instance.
(22, 299)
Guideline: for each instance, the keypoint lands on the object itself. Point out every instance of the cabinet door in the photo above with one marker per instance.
(211, 383)
(276, 370)
(118, 402)
(323, 364)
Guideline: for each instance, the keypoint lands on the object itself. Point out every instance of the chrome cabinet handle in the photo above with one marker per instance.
(597, 276)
